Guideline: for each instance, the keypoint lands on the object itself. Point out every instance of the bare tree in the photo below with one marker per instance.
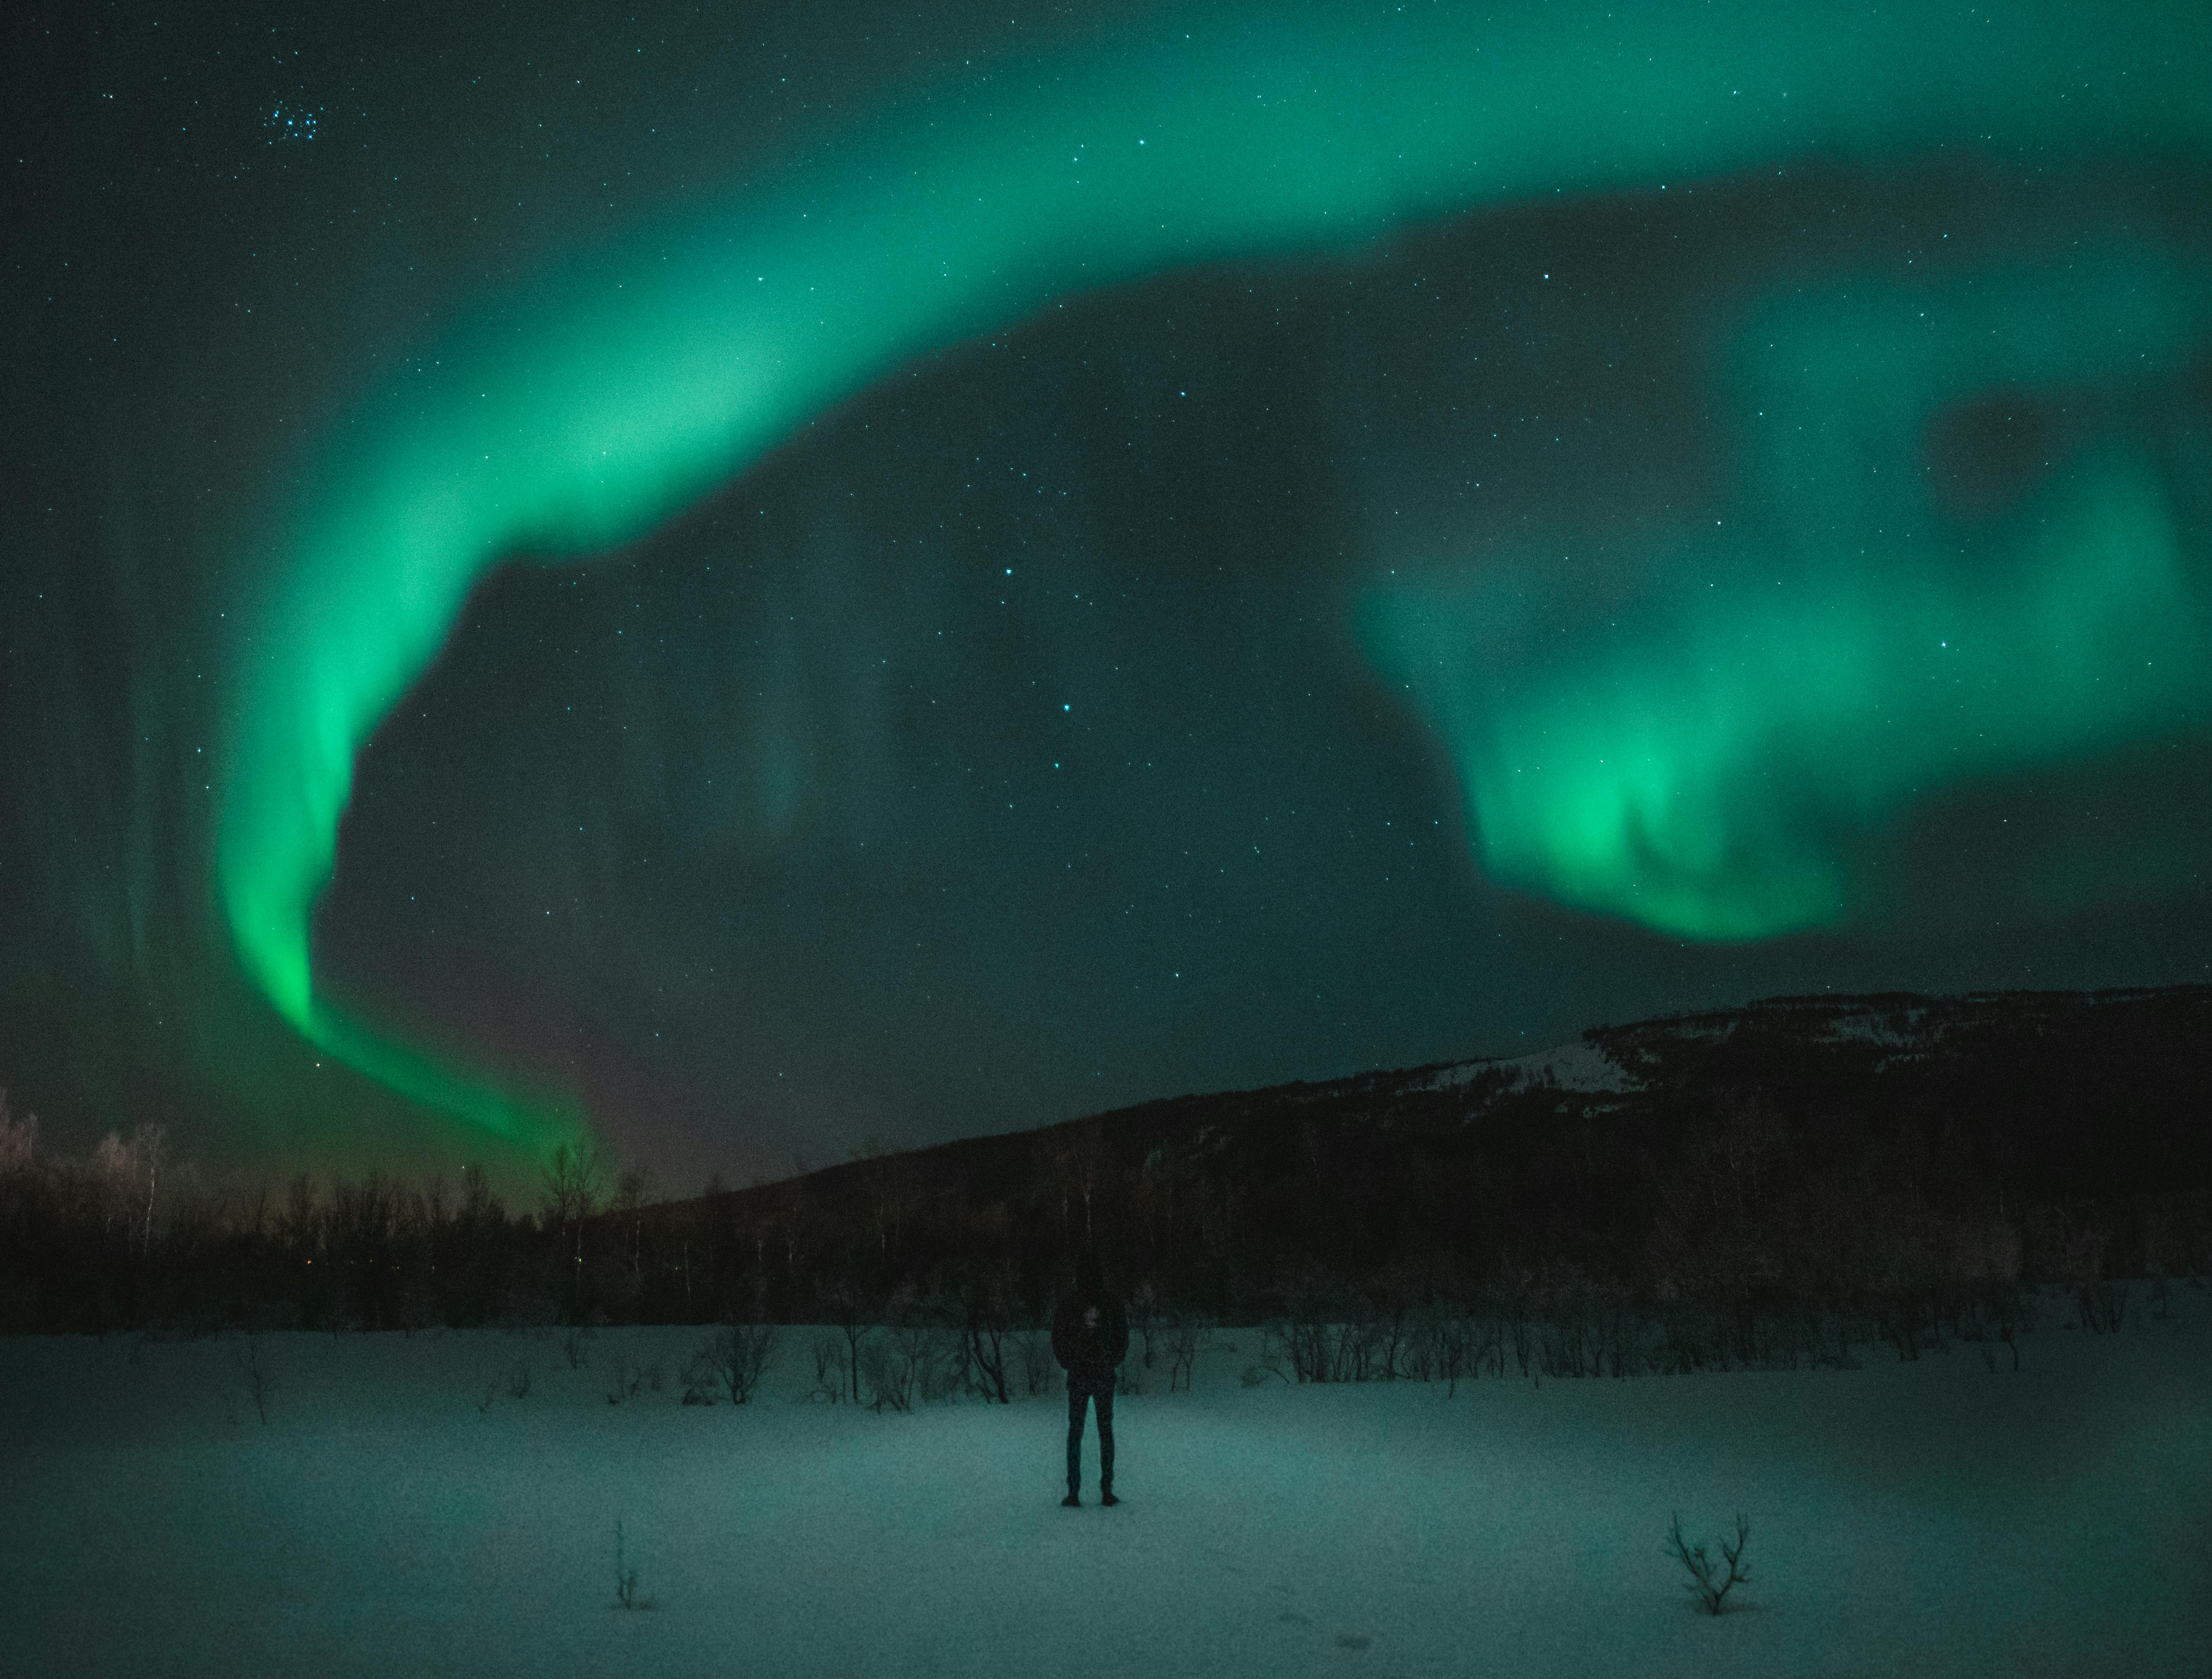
(1710, 1594)
(634, 1193)
(889, 1192)
(478, 1205)
(149, 1143)
(1071, 1172)
(843, 1306)
(1087, 1161)
(571, 1190)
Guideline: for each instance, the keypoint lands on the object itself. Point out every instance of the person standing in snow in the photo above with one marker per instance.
(1089, 1337)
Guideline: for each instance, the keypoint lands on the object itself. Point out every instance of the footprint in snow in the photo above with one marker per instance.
(1351, 1641)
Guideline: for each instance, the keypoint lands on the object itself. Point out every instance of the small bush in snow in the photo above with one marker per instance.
(699, 1377)
(260, 1383)
(887, 1376)
(1710, 1593)
(629, 1379)
(518, 1381)
(739, 1355)
(1179, 1341)
(1037, 1364)
(576, 1346)
(626, 1594)
(830, 1376)
(917, 1357)
(2103, 1306)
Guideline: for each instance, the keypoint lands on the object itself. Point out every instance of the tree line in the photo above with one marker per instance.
(1375, 1230)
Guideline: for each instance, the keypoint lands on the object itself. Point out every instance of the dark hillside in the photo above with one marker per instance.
(1793, 1156)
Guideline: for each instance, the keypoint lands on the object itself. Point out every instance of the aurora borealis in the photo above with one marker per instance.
(1578, 515)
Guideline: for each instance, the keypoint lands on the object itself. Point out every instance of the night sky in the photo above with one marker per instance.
(756, 578)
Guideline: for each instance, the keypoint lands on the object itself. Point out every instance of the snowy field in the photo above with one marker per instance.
(1925, 1519)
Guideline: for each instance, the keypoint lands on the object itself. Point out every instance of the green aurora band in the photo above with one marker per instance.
(578, 412)
(1788, 688)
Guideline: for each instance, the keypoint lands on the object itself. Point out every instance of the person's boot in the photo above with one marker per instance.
(1071, 1501)
(1106, 1496)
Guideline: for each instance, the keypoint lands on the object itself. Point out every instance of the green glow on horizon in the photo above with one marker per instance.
(581, 411)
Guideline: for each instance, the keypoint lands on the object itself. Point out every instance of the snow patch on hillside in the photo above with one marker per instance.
(1577, 1066)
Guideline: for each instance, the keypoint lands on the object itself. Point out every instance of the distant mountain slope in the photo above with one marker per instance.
(1942, 1103)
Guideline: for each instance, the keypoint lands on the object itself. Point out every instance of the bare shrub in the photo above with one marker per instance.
(1709, 1593)
(629, 1379)
(843, 1305)
(831, 1378)
(2103, 1306)
(626, 1594)
(918, 1356)
(1446, 1345)
(1512, 1303)
(1330, 1333)
(987, 1310)
(1899, 1314)
(1037, 1362)
(1144, 1314)
(1998, 1310)
(739, 1355)
(698, 1376)
(576, 1346)
(1271, 1359)
(887, 1377)
(1418, 1363)
(1179, 1340)
(518, 1381)
(260, 1384)
(941, 1362)
(1392, 1324)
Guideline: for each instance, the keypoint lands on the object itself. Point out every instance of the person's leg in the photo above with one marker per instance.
(1076, 1399)
(1106, 1443)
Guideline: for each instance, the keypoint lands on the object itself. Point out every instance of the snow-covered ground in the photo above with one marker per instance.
(1924, 1519)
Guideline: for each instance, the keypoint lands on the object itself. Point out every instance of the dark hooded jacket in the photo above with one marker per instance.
(1090, 1356)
